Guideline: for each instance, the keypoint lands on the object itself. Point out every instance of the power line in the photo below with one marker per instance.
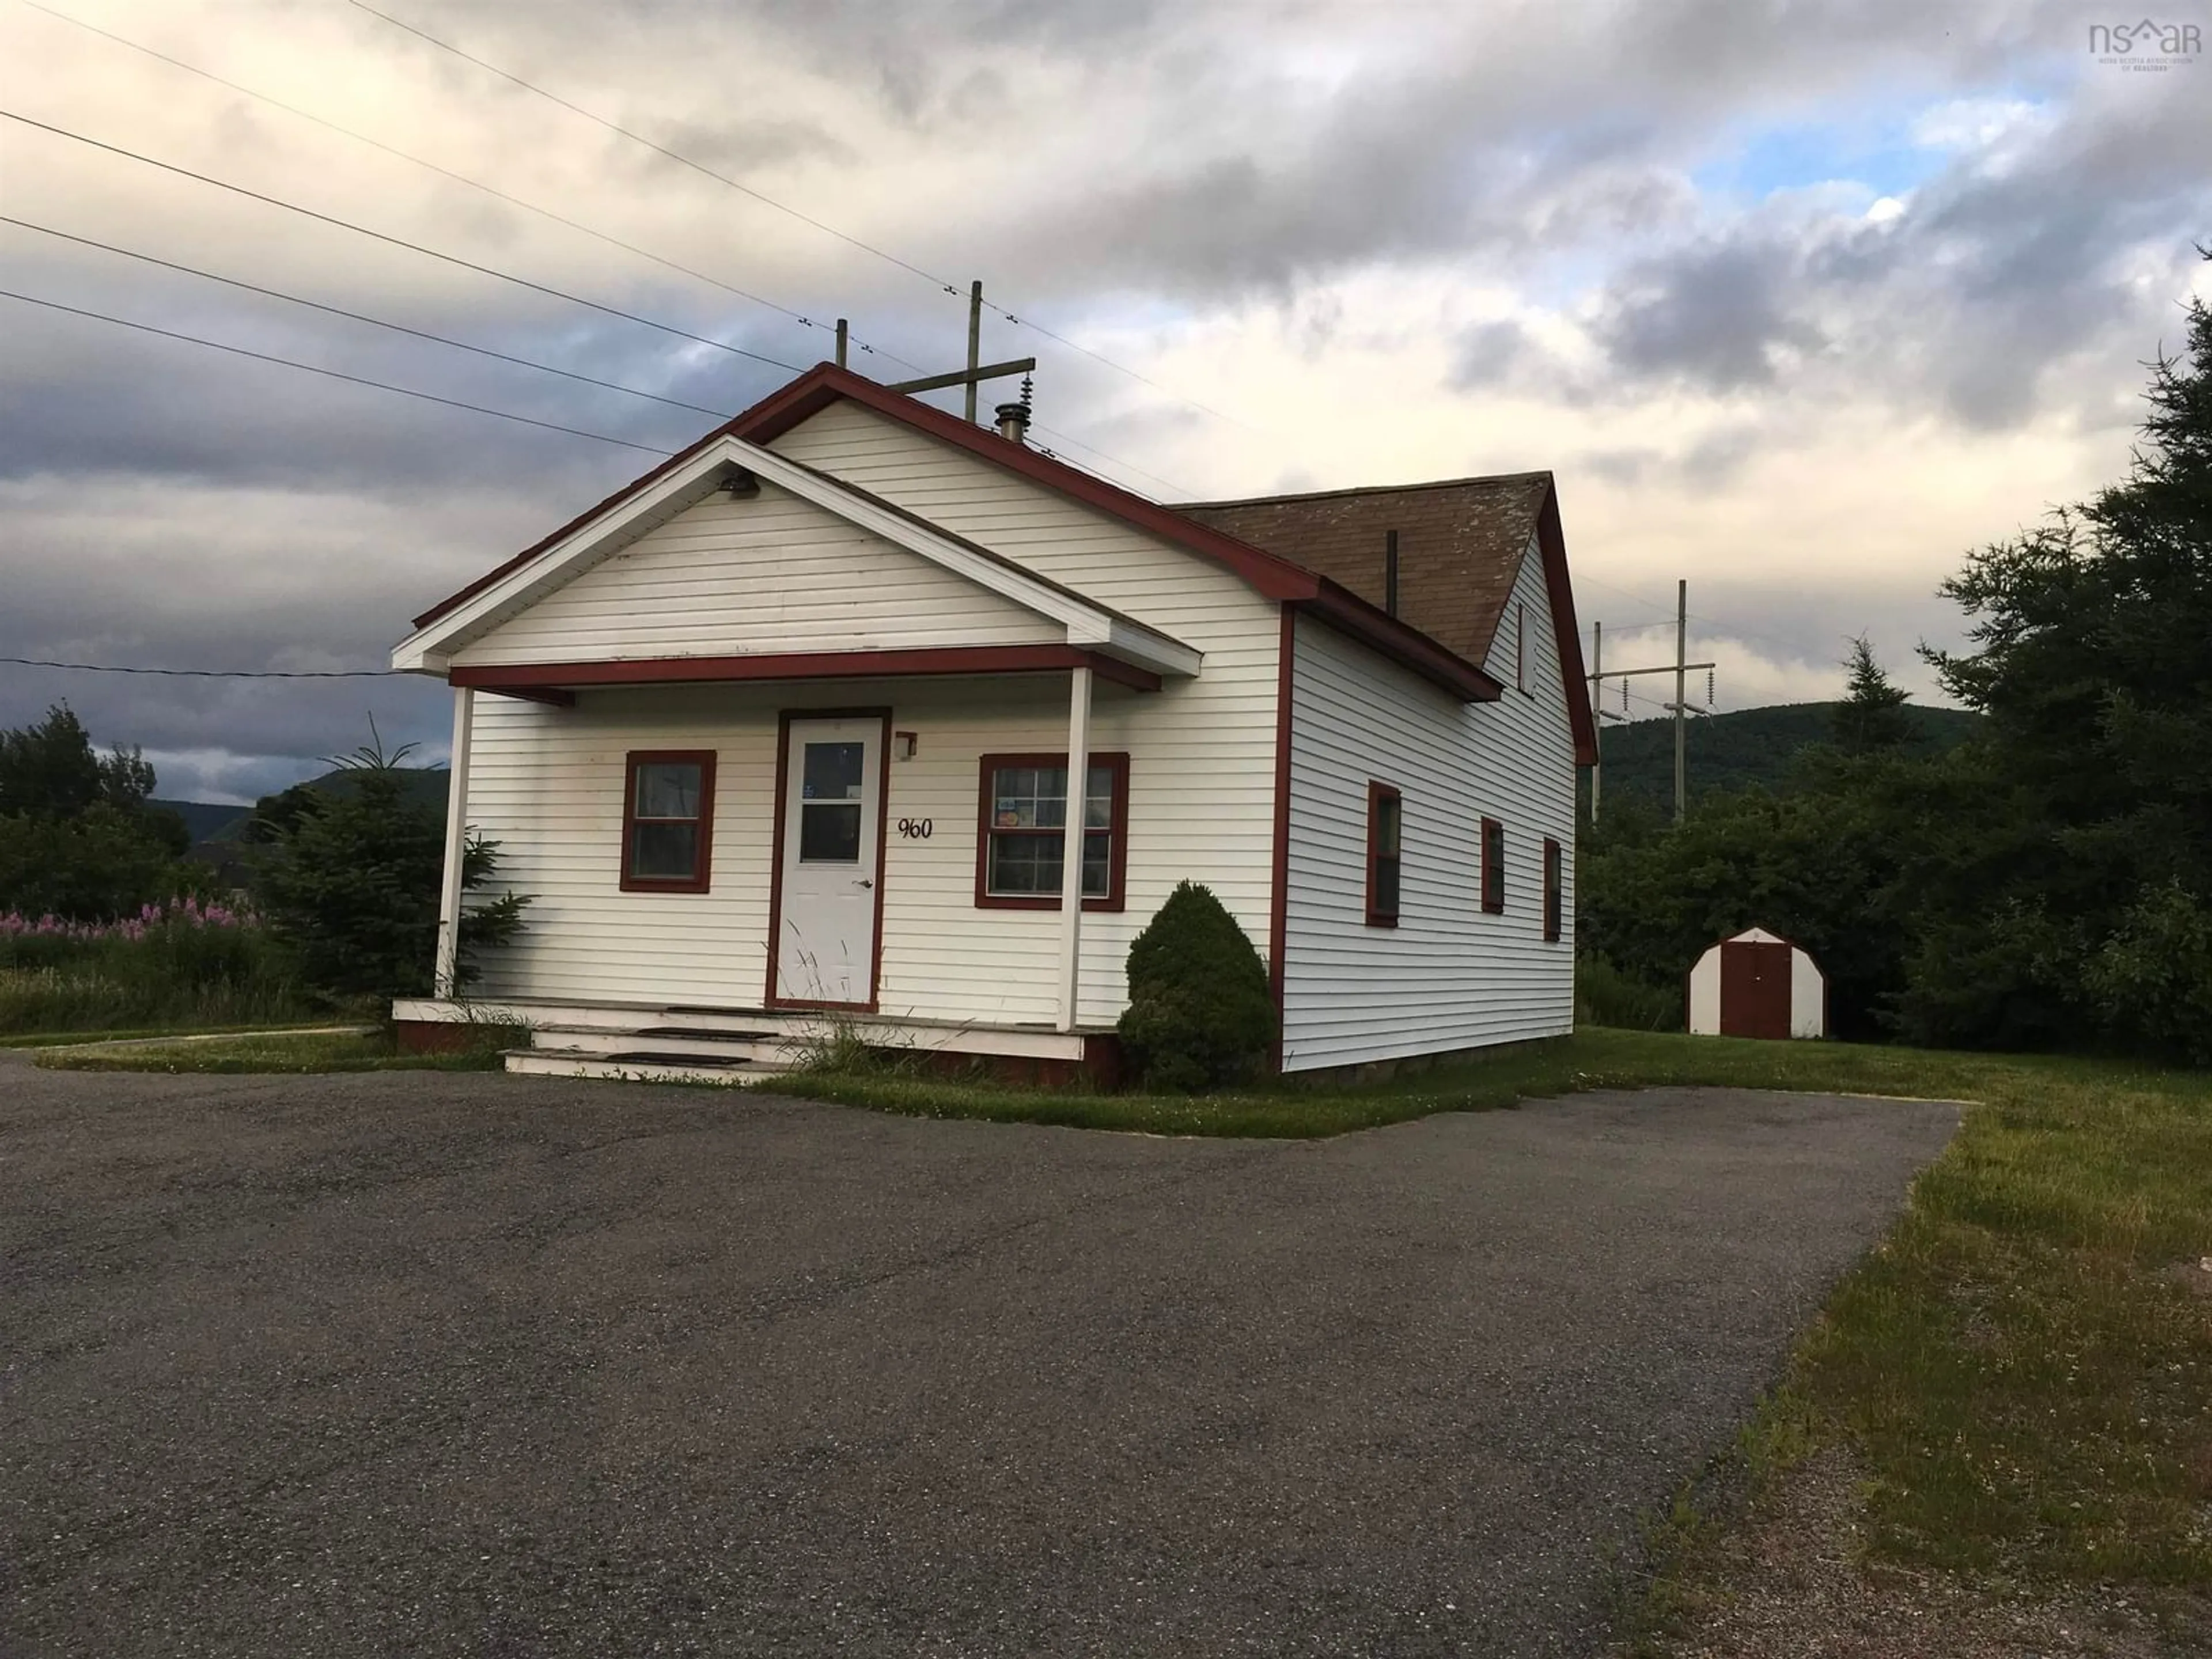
(785, 208)
(455, 259)
(493, 190)
(357, 317)
(1796, 651)
(401, 242)
(460, 178)
(332, 373)
(1093, 449)
(458, 345)
(212, 673)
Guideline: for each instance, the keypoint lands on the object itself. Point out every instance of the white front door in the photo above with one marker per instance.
(833, 832)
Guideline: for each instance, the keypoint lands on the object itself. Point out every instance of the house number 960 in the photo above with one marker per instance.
(915, 829)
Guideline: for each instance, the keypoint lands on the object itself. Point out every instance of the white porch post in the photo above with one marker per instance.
(448, 977)
(1070, 866)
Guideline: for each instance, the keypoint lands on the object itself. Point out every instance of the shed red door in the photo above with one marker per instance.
(1754, 989)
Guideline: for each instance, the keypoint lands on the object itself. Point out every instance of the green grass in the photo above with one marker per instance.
(1594, 1059)
(347, 1051)
(132, 1034)
(177, 974)
(2016, 1367)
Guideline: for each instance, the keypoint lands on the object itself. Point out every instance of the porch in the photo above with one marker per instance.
(762, 744)
(669, 1043)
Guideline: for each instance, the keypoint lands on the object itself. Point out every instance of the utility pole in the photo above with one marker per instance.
(1597, 711)
(977, 371)
(975, 342)
(1682, 697)
(840, 343)
(1679, 668)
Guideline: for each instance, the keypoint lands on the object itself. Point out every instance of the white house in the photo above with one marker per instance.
(779, 732)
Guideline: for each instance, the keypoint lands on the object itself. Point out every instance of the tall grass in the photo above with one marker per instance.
(185, 962)
(1605, 996)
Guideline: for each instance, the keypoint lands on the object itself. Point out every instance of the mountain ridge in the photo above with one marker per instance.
(1743, 747)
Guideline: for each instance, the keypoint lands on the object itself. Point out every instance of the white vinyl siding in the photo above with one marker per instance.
(1447, 975)
(1202, 751)
(766, 574)
(547, 783)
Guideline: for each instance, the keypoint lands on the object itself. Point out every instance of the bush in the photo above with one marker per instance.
(1201, 1014)
(1605, 996)
(2152, 981)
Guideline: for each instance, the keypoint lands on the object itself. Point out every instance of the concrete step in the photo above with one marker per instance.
(637, 1065)
(681, 1041)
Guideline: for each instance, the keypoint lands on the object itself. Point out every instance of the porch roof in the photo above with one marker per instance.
(559, 681)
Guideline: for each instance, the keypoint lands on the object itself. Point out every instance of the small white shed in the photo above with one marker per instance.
(1758, 984)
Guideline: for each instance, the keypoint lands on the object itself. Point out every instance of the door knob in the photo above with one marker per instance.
(864, 881)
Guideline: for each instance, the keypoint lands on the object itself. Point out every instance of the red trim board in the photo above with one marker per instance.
(519, 678)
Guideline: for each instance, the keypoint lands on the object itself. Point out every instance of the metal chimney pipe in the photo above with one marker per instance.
(1014, 421)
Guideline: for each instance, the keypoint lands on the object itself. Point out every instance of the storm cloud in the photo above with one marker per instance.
(1734, 273)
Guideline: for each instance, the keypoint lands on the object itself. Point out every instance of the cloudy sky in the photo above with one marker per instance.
(1800, 302)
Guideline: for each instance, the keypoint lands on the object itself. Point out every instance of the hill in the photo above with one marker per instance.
(203, 819)
(219, 821)
(1747, 746)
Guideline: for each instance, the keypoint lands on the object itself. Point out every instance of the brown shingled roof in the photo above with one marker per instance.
(1459, 545)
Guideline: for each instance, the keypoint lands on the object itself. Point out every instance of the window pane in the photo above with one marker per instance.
(668, 789)
(1025, 865)
(664, 852)
(1386, 826)
(831, 771)
(1098, 799)
(1029, 866)
(1386, 886)
(1029, 797)
(828, 834)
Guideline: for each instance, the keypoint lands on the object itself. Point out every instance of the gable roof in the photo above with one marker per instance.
(1461, 544)
(1272, 575)
(672, 487)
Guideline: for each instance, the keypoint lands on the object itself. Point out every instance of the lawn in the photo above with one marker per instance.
(277, 1051)
(137, 1033)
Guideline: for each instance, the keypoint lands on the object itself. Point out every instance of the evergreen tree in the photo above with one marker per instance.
(350, 879)
(2093, 661)
(1871, 719)
(1200, 1011)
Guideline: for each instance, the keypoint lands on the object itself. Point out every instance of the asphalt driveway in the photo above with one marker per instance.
(429, 1364)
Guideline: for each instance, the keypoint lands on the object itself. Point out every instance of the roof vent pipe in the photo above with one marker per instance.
(1014, 418)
